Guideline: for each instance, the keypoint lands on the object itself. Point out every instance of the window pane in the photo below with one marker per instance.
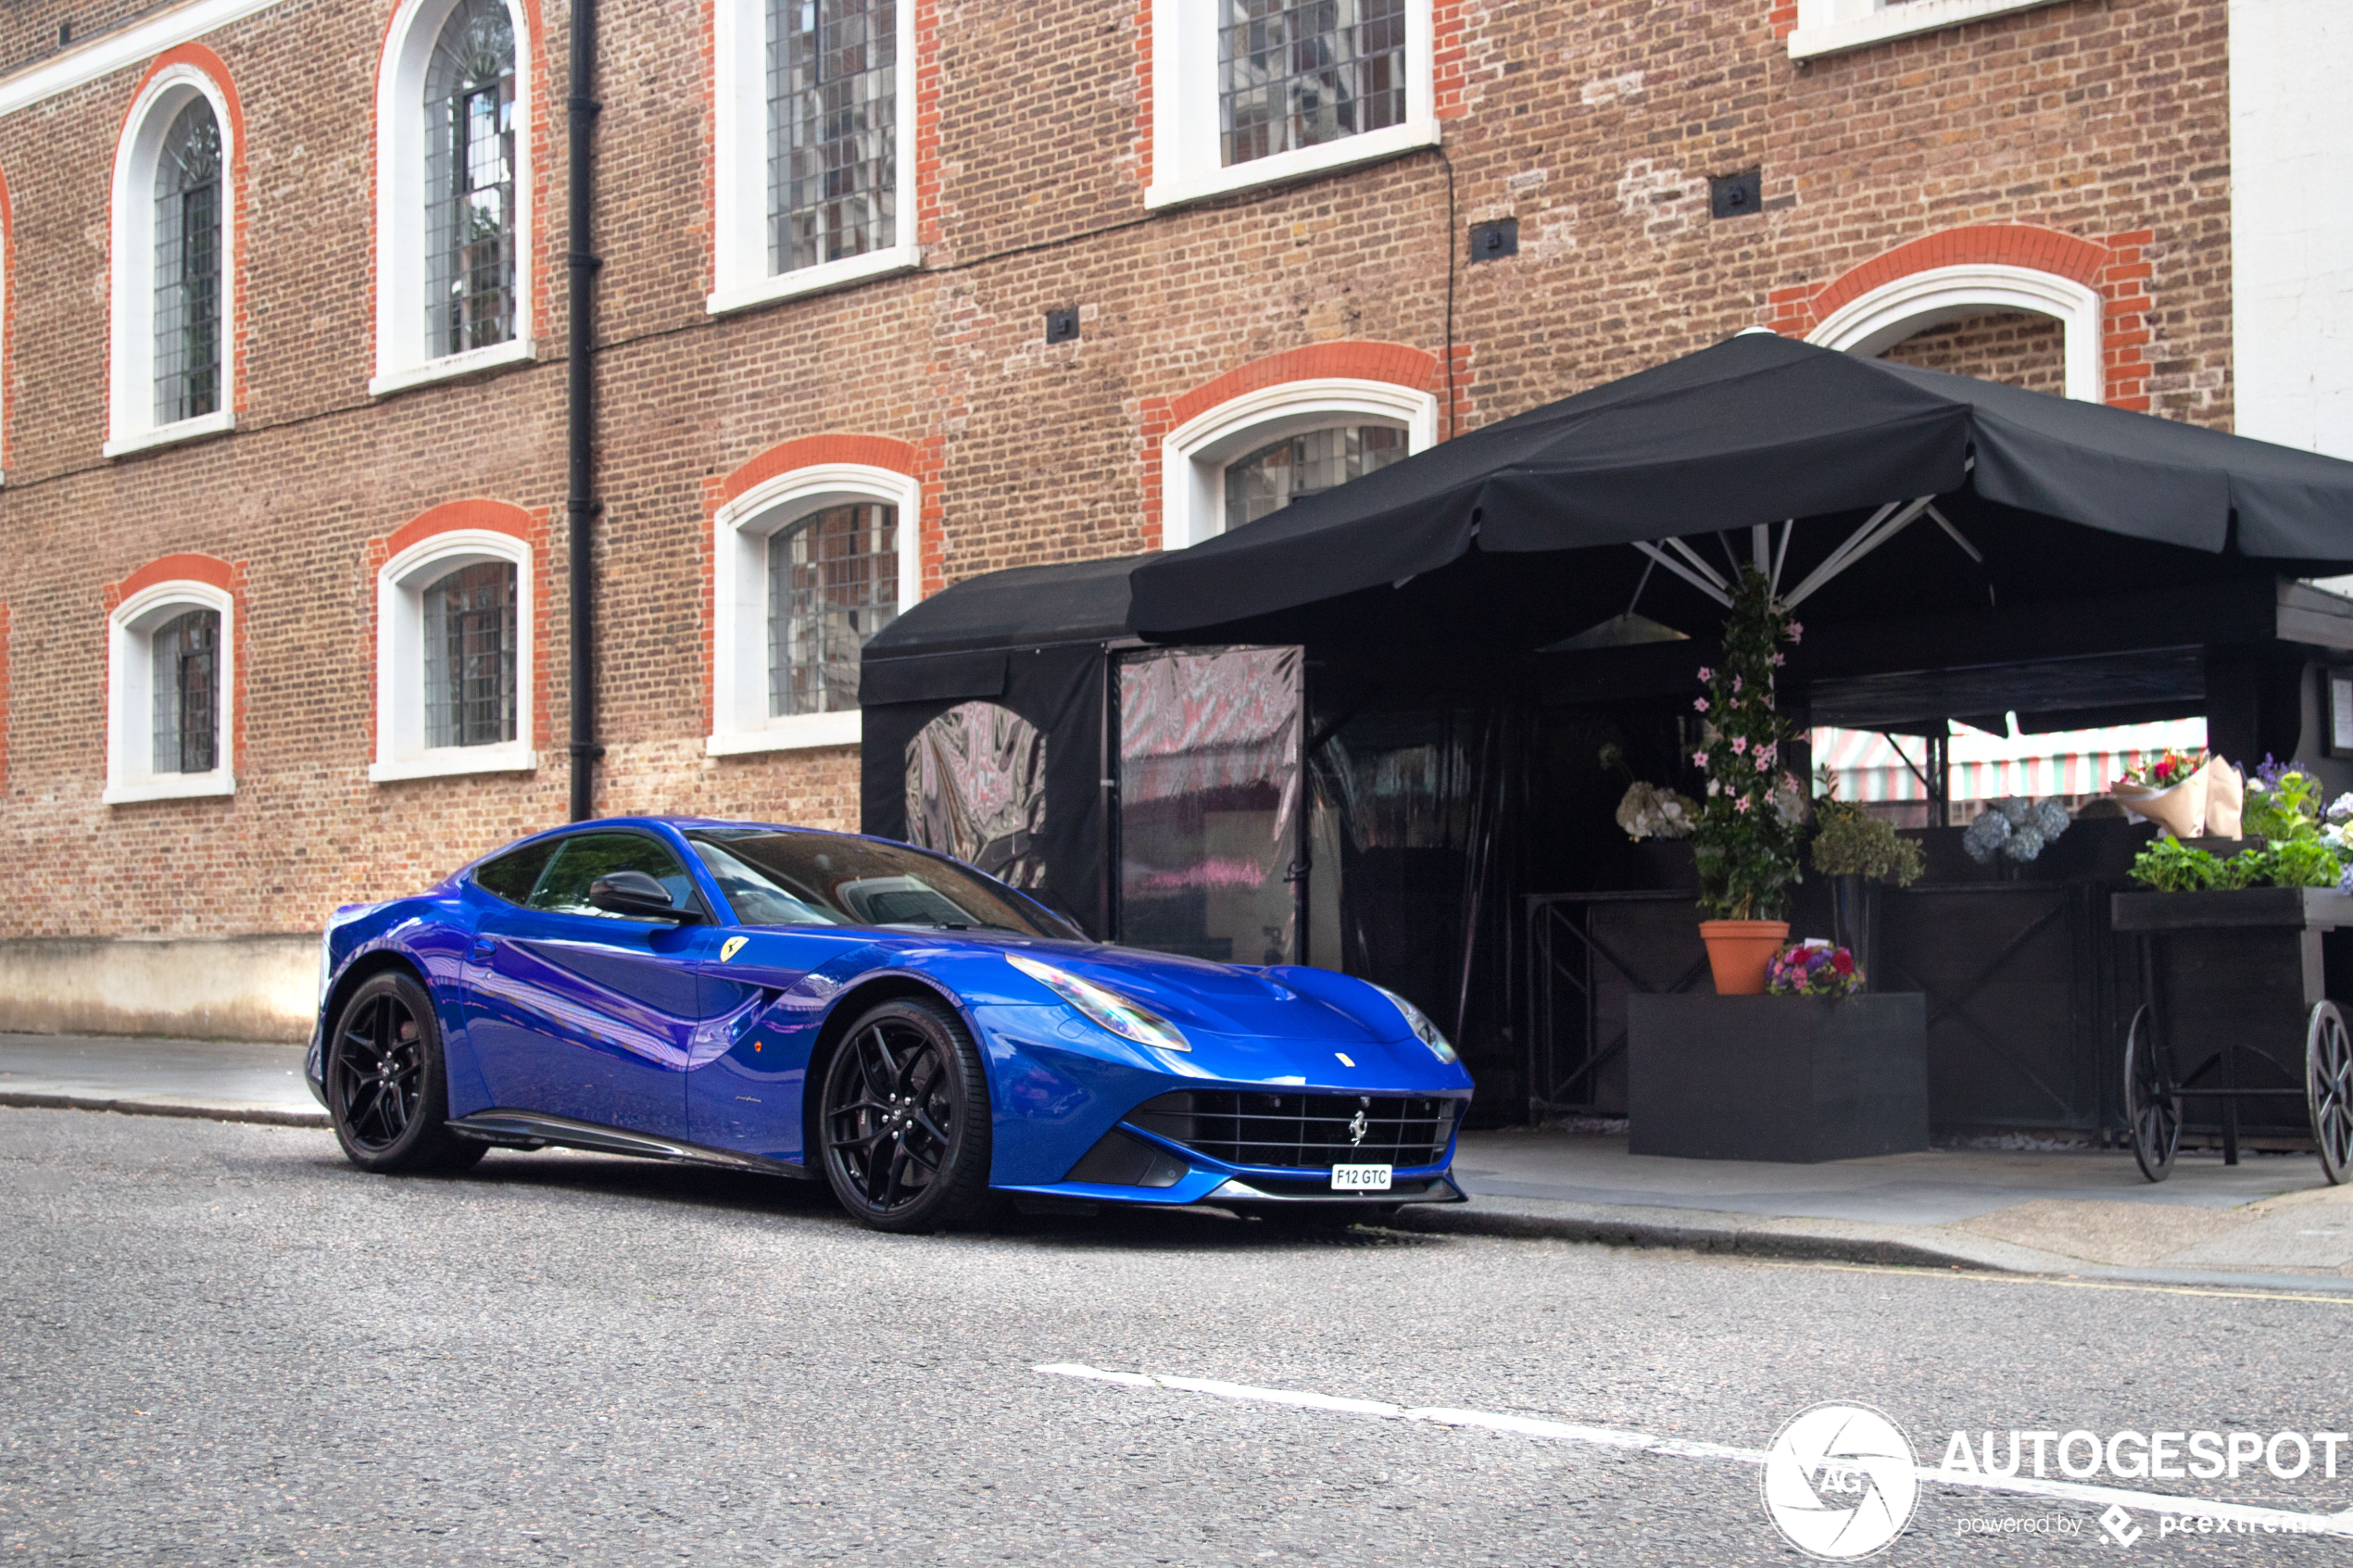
(833, 581)
(470, 181)
(470, 657)
(1294, 73)
(832, 129)
(586, 857)
(188, 266)
(512, 876)
(186, 685)
(1299, 466)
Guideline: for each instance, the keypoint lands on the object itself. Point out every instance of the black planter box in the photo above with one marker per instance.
(1786, 1078)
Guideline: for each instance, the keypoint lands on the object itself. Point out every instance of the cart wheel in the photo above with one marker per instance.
(2328, 1090)
(2149, 1105)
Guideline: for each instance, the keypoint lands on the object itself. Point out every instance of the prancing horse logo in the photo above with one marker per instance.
(1357, 1129)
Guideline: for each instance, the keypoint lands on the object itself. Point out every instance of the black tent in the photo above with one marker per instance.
(1846, 452)
(1461, 635)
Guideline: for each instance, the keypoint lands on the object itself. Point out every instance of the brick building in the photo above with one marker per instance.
(937, 288)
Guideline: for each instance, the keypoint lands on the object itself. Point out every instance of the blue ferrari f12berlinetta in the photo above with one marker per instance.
(929, 1039)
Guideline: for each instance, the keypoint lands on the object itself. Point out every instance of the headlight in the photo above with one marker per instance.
(1129, 1021)
(1423, 1030)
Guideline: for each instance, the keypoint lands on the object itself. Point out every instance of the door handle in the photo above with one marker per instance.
(483, 947)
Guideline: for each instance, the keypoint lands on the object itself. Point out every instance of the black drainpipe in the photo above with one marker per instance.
(580, 415)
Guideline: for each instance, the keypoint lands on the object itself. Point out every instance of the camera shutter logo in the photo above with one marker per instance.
(1841, 1481)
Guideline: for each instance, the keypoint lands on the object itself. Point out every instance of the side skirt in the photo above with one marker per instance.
(529, 1129)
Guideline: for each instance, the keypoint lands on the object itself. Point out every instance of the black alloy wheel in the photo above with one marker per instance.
(905, 1119)
(2328, 1090)
(385, 1086)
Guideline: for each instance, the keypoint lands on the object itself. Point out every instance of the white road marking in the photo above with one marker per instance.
(1677, 1447)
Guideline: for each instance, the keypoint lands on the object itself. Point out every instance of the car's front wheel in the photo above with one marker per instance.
(904, 1118)
(386, 1088)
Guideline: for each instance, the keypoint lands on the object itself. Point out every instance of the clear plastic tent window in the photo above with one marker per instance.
(976, 790)
(1209, 776)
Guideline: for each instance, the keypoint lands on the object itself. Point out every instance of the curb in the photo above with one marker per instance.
(1788, 1245)
(258, 1114)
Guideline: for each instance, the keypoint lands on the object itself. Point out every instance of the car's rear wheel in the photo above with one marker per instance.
(905, 1119)
(387, 1087)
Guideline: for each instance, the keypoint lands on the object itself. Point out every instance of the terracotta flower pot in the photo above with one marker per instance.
(1739, 950)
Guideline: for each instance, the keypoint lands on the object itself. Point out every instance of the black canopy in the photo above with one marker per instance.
(1754, 430)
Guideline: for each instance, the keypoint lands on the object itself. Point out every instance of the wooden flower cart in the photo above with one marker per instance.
(2234, 982)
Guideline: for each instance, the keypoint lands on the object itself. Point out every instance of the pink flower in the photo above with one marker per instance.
(1740, 745)
(1700, 703)
(1736, 686)
(1764, 763)
(1796, 633)
(1705, 673)
(1699, 758)
(1778, 660)
(1742, 804)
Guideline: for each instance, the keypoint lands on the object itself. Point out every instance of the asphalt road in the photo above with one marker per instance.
(222, 1344)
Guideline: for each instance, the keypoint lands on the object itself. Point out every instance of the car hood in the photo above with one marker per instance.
(1227, 999)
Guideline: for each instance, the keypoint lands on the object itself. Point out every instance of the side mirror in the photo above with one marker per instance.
(635, 895)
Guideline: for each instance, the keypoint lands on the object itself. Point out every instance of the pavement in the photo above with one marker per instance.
(2270, 1221)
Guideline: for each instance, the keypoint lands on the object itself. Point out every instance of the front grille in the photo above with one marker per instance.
(1302, 1131)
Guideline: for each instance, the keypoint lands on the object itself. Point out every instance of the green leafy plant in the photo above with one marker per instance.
(1850, 842)
(1754, 813)
(2296, 862)
(2169, 866)
(2281, 805)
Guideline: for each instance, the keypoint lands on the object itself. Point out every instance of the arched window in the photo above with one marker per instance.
(1307, 464)
(454, 654)
(813, 553)
(171, 682)
(814, 144)
(453, 191)
(470, 181)
(1271, 432)
(188, 263)
(833, 581)
(174, 240)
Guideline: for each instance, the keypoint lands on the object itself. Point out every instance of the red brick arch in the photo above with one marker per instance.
(2116, 265)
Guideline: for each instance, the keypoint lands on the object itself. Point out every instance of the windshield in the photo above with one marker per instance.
(817, 879)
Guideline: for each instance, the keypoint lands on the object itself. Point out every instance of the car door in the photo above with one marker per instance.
(577, 1012)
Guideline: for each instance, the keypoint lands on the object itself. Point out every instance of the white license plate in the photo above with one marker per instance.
(1360, 1178)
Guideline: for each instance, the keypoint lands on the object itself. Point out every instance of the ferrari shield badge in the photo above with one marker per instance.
(728, 949)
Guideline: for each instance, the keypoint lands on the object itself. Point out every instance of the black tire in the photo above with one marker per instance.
(2152, 1111)
(904, 1119)
(387, 1087)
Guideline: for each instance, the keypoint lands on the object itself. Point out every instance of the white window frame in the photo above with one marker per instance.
(131, 775)
(401, 359)
(1194, 457)
(740, 534)
(739, 174)
(1874, 322)
(130, 361)
(401, 752)
(1831, 27)
(1184, 128)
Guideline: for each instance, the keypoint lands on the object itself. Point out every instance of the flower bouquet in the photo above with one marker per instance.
(2188, 794)
(1813, 967)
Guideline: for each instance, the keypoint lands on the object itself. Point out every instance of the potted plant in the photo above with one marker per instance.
(1752, 812)
(1856, 851)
